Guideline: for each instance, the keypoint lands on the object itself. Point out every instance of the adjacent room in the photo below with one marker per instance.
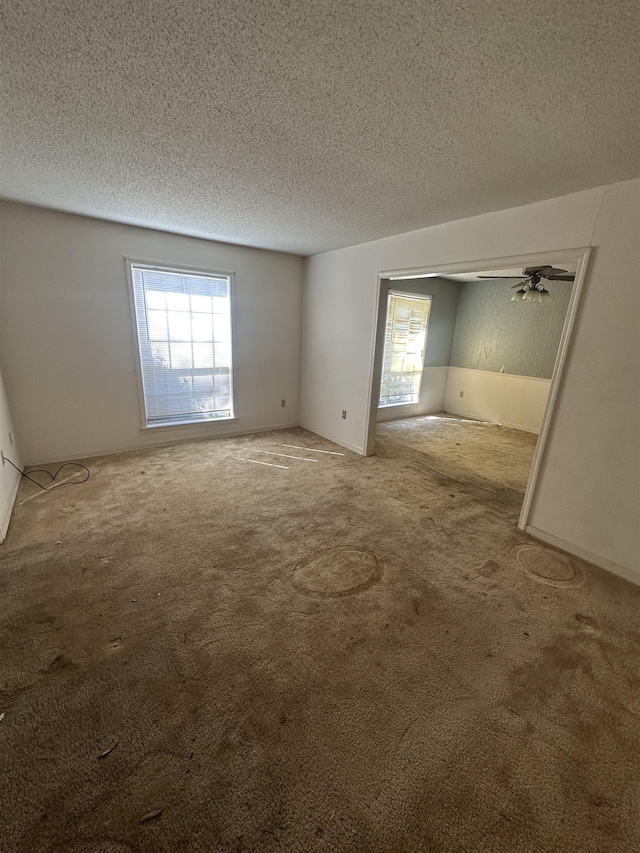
(467, 363)
(319, 427)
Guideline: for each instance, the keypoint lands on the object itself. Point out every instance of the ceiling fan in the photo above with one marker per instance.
(531, 288)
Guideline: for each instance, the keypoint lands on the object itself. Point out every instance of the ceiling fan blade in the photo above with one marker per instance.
(543, 270)
(568, 277)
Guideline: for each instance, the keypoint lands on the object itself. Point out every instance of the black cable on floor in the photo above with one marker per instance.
(53, 476)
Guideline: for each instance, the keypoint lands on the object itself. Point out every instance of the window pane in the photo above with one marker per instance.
(203, 386)
(405, 341)
(157, 321)
(201, 327)
(179, 326)
(156, 299)
(220, 304)
(177, 301)
(160, 355)
(222, 354)
(180, 356)
(221, 327)
(201, 303)
(186, 377)
(203, 355)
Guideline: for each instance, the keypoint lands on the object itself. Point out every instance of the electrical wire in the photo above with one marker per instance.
(53, 476)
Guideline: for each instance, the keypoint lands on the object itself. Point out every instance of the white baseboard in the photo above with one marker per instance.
(167, 442)
(8, 508)
(621, 571)
(459, 413)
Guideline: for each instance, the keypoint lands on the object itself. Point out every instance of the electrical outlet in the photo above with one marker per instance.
(283, 403)
(344, 414)
(461, 394)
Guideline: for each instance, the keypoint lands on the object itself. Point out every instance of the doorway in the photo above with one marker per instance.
(498, 366)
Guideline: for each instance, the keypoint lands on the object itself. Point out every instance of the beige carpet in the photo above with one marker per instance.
(345, 654)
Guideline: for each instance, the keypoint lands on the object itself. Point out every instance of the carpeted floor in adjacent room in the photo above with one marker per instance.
(202, 653)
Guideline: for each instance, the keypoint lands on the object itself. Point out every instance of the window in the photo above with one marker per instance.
(404, 346)
(183, 320)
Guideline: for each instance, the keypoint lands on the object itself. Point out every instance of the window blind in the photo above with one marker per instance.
(184, 335)
(404, 345)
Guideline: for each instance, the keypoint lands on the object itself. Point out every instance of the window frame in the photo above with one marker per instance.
(182, 268)
(427, 297)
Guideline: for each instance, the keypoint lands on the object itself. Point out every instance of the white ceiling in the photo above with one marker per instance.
(305, 126)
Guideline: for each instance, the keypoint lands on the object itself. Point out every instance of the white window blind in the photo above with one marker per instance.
(404, 347)
(184, 333)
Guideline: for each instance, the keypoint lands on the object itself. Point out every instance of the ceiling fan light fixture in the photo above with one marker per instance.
(519, 295)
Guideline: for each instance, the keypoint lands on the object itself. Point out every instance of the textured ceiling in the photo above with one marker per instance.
(305, 126)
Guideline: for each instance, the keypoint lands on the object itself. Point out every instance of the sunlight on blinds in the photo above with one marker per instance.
(184, 333)
(404, 346)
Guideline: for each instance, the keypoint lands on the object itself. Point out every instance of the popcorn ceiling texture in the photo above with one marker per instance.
(305, 126)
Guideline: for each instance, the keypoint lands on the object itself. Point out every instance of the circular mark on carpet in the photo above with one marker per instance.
(548, 566)
(336, 572)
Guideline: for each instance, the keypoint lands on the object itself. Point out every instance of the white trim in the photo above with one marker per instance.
(155, 265)
(510, 262)
(418, 297)
(191, 423)
(8, 508)
(561, 357)
(384, 283)
(153, 445)
(498, 373)
(621, 571)
(480, 420)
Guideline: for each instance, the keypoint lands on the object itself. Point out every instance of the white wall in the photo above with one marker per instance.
(67, 343)
(502, 398)
(432, 396)
(9, 477)
(587, 493)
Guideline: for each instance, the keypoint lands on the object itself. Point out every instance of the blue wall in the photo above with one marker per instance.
(492, 333)
(442, 317)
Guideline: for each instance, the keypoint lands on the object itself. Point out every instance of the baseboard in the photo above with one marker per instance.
(474, 417)
(395, 413)
(153, 445)
(8, 509)
(621, 571)
(335, 440)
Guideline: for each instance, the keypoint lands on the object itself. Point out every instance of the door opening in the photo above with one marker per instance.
(496, 363)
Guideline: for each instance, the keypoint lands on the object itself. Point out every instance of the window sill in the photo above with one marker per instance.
(189, 424)
(397, 405)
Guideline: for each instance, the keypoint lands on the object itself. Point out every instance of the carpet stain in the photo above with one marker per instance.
(60, 664)
(336, 572)
(548, 566)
